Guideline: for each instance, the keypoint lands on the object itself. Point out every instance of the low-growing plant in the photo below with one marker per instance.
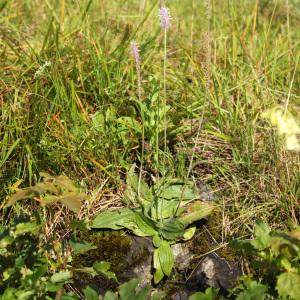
(34, 268)
(30, 268)
(51, 190)
(209, 294)
(275, 257)
(127, 291)
(164, 211)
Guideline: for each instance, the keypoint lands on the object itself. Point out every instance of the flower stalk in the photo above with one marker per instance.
(136, 55)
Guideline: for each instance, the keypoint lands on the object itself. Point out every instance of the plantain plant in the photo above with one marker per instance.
(165, 211)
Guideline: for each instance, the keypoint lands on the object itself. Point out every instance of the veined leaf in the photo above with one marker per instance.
(210, 294)
(189, 233)
(72, 200)
(6, 241)
(254, 291)
(165, 209)
(65, 183)
(172, 229)
(131, 123)
(166, 257)
(90, 294)
(141, 189)
(262, 236)
(127, 290)
(103, 267)
(51, 190)
(30, 192)
(156, 241)
(61, 277)
(196, 211)
(288, 285)
(114, 219)
(29, 227)
(80, 246)
(159, 274)
(178, 191)
(286, 242)
(98, 122)
(145, 225)
(110, 296)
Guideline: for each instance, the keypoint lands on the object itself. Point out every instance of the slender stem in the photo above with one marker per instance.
(291, 86)
(139, 82)
(165, 99)
(143, 150)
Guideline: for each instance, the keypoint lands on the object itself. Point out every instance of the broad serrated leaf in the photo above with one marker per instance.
(27, 193)
(88, 270)
(72, 200)
(285, 243)
(243, 245)
(288, 285)
(69, 296)
(166, 257)
(65, 183)
(61, 277)
(262, 236)
(6, 241)
(254, 291)
(53, 189)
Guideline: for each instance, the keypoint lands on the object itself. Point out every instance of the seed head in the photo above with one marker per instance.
(165, 18)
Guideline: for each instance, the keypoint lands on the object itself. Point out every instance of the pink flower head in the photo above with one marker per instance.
(165, 18)
(135, 53)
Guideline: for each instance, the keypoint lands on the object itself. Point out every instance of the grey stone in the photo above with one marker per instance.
(182, 256)
(206, 192)
(215, 271)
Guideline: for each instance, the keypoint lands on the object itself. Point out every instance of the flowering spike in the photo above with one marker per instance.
(135, 53)
(165, 18)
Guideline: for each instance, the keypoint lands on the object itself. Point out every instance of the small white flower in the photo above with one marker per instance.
(42, 69)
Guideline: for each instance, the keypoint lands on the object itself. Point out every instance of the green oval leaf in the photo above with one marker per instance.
(166, 257)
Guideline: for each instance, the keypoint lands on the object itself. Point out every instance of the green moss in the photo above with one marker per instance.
(111, 246)
(114, 247)
(206, 237)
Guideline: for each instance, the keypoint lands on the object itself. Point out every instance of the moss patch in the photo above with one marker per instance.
(116, 247)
